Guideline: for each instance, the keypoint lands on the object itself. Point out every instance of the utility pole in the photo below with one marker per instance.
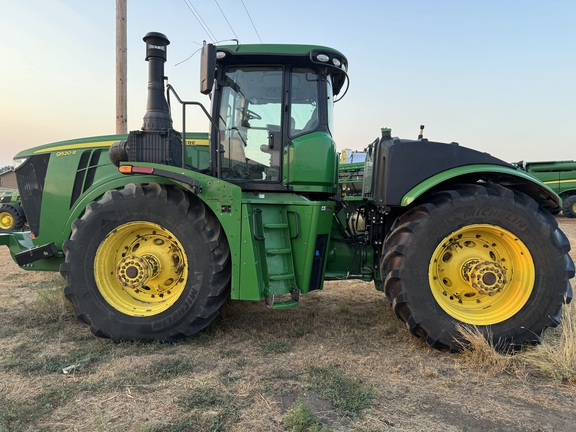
(121, 68)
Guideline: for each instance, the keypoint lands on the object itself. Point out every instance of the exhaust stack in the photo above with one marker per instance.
(156, 142)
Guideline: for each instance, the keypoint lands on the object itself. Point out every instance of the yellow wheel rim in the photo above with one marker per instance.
(6, 220)
(481, 274)
(574, 208)
(140, 269)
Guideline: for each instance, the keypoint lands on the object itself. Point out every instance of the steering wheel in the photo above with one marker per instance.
(250, 115)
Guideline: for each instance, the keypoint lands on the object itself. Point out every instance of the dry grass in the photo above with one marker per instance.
(480, 352)
(340, 361)
(556, 357)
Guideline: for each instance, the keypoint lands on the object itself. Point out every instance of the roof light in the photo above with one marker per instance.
(322, 57)
(220, 55)
(336, 62)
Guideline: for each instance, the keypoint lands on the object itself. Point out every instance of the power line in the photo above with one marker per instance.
(248, 13)
(224, 15)
(199, 19)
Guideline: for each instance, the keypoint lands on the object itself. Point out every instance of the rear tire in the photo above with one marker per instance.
(569, 206)
(147, 262)
(11, 217)
(481, 256)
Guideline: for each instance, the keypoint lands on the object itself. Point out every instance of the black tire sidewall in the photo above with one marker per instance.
(568, 206)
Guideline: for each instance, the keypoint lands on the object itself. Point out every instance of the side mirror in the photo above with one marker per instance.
(207, 68)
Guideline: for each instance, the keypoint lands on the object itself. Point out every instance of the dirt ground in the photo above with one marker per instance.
(255, 366)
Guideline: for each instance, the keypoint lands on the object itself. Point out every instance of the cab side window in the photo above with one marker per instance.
(304, 116)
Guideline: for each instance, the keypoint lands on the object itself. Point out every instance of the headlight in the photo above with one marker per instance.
(19, 162)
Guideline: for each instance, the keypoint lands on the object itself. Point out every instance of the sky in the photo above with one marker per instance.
(498, 76)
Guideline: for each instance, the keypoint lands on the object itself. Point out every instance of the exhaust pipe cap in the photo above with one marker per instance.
(156, 44)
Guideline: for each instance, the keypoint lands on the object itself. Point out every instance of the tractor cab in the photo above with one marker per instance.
(273, 115)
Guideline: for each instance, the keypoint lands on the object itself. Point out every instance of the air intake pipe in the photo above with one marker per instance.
(157, 117)
(156, 142)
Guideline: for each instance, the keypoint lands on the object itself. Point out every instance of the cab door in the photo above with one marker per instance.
(311, 161)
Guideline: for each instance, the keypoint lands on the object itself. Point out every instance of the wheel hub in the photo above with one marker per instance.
(485, 277)
(6, 220)
(134, 271)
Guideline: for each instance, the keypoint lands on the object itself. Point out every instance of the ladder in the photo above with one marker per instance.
(279, 269)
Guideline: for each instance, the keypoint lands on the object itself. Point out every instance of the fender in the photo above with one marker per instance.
(223, 198)
(505, 176)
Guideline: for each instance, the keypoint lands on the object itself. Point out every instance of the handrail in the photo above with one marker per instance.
(169, 89)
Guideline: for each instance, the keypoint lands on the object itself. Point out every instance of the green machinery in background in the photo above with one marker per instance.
(560, 176)
(11, 213)
(153, 231)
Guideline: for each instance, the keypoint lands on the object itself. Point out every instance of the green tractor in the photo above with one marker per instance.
(153, 231)
(560, 176)
(12, 216)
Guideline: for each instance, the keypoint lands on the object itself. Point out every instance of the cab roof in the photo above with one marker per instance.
(281, 49)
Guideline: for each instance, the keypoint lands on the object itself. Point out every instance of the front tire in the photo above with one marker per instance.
(147, 262)
(478, 255)
(11, 218)
(569, 206)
